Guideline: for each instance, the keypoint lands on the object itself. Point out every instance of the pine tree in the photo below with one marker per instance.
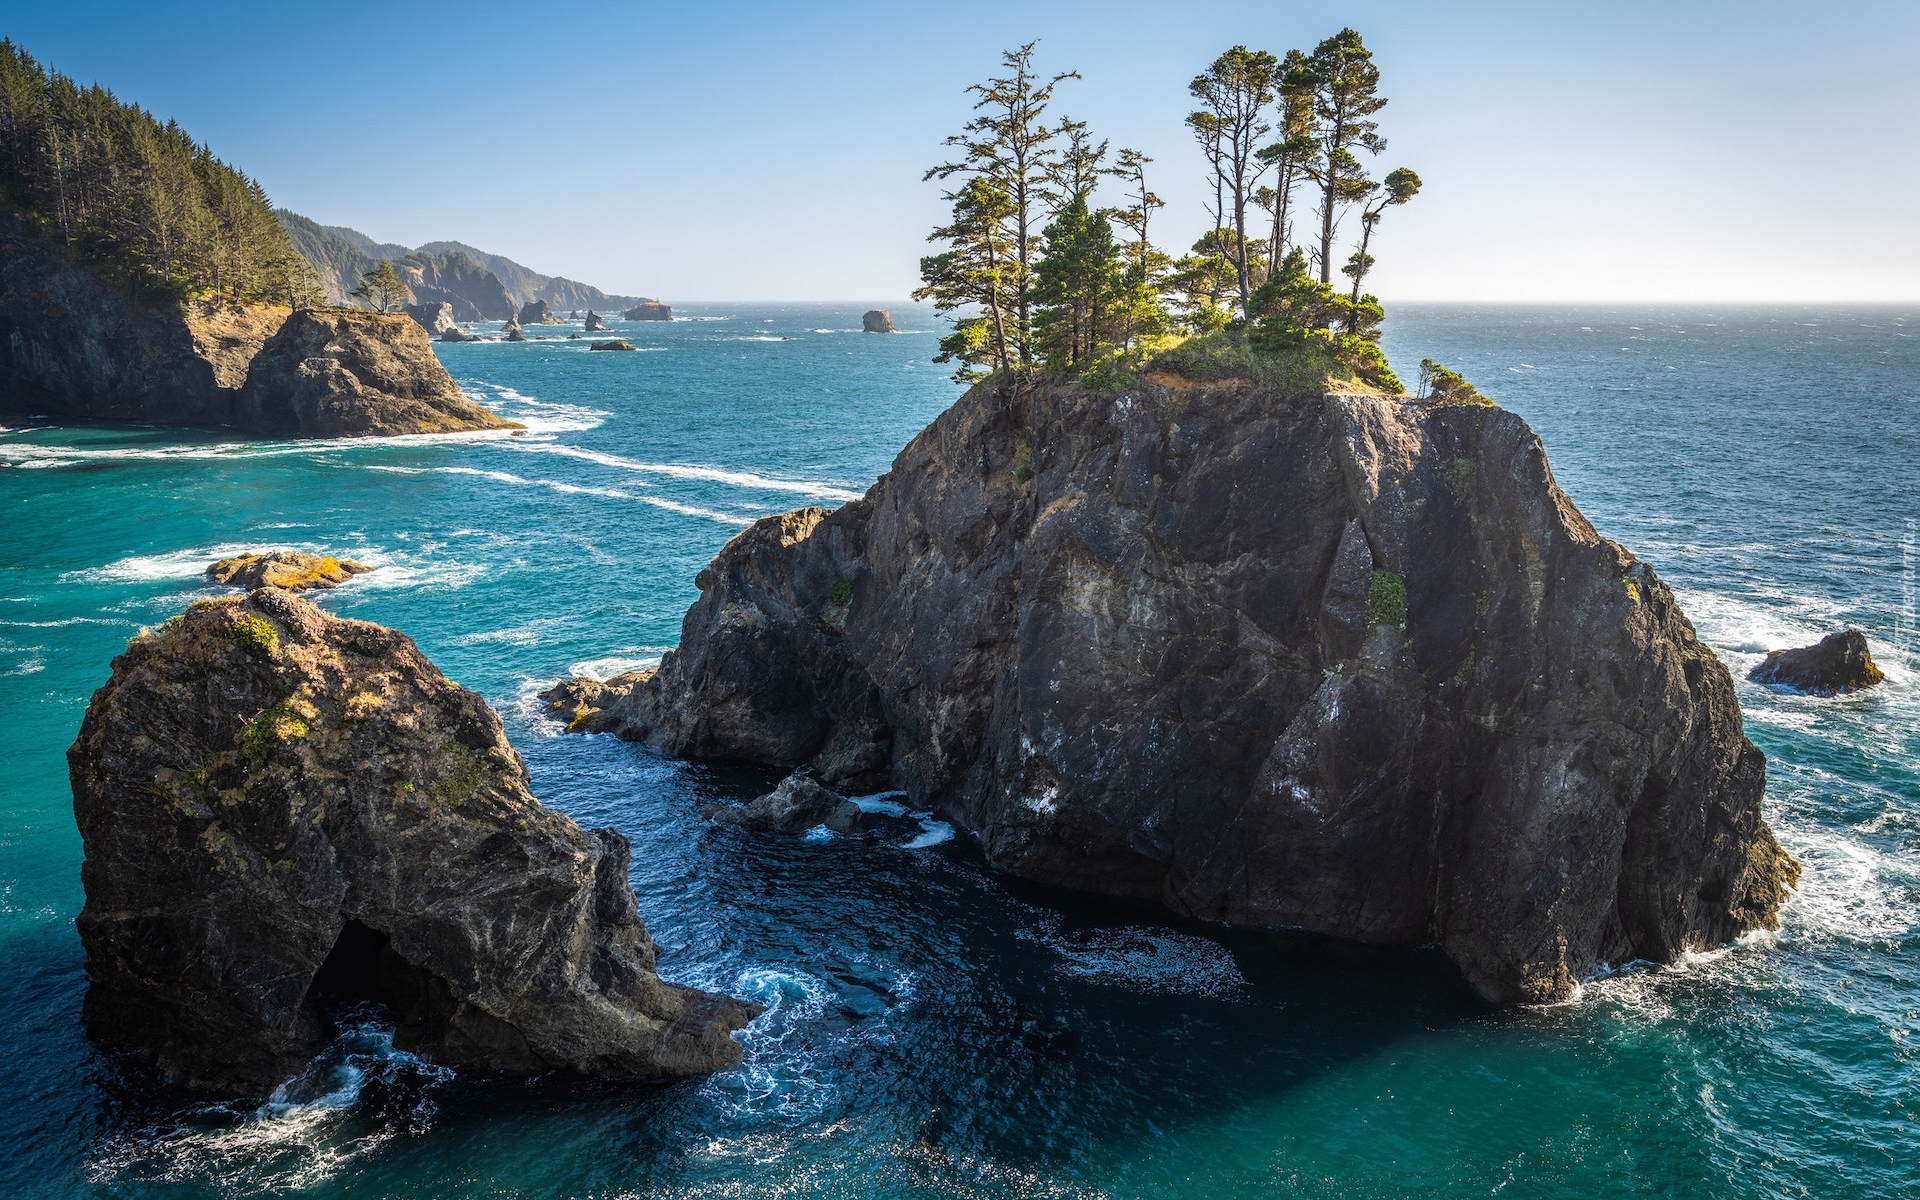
(382, 288)
(1345, 86)
(973, 270)
(1234, 90)
(1010, 146)
(1076, 288)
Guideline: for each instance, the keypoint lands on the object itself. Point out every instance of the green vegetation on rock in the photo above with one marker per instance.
(255, 635)
(1386, 599)
(269, 729)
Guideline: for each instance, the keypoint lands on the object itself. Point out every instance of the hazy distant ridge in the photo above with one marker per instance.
(342, 255)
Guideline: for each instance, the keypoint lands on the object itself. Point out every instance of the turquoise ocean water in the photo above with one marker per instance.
(933, 1029)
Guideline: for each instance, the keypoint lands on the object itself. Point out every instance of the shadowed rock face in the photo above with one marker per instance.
(435, 318)
(1343, 664)
(279, 806)
(1839, 664)
(876, 320)
(649, 310)
(354, 374)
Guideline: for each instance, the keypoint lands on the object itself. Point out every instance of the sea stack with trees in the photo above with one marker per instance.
(1186, 600)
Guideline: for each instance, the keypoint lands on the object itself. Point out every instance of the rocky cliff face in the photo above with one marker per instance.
(282, 810)
(337, 373)
(1344, 664)
(434, 318)
(74, 347)
(475, 293)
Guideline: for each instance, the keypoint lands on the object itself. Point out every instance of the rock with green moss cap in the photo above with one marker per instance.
(284, 811)
(294, 570)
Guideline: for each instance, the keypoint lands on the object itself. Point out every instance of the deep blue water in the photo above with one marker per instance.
(934, 1029)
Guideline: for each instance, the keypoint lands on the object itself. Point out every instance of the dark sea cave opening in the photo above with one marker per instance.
(364, 969)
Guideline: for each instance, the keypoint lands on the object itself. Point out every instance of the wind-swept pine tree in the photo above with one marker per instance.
(1399, 187)
(1345, 86)
(1010, 146)
(1234, 92)
(973, 271)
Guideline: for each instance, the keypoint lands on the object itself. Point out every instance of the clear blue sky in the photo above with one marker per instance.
(774, 151)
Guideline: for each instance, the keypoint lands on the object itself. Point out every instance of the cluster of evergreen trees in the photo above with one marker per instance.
(137, 198)
(1045, 278)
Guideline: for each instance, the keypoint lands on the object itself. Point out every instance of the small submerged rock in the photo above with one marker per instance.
(1839, 664)
(286, 814)
(290, 569)
(797, 805)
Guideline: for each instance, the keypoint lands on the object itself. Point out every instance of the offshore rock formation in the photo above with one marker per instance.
(877, 320)
(282, 809)
(650, 310)
(512, 332)
(536, 312)
(291, 570)
(454, 335)
(797, 805)
(339, 373)
(1345, 664)
(434, 318)
(1837, 665)
(593, 323)
(615, 344)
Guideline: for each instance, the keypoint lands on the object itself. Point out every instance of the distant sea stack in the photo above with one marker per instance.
(512, 332)
(435, 318)
(1839, 664)
(593, 323)
(877, 320)
(1344, 664)
(284, 812)
(615, 344)
(650, 310)
(536, 312)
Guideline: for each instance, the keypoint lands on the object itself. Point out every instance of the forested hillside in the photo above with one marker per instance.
(141, 200)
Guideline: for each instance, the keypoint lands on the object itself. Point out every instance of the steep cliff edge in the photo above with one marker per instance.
(281, 808)
(74, 346)
(1338, 663)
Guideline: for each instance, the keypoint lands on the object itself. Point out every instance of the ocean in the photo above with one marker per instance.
(934, 1029)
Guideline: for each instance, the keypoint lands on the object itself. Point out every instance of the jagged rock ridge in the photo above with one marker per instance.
(279, 806)
(1343, 664)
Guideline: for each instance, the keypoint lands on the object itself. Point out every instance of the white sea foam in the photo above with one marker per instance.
(178, 564)
(293, 1140)
(631, 658)
(932, 832)
(1144, 958)
(1849, 889)
(741, 479)
(557, 485)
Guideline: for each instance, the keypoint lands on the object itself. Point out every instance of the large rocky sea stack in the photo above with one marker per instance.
(282, 809)
(1346, 664)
